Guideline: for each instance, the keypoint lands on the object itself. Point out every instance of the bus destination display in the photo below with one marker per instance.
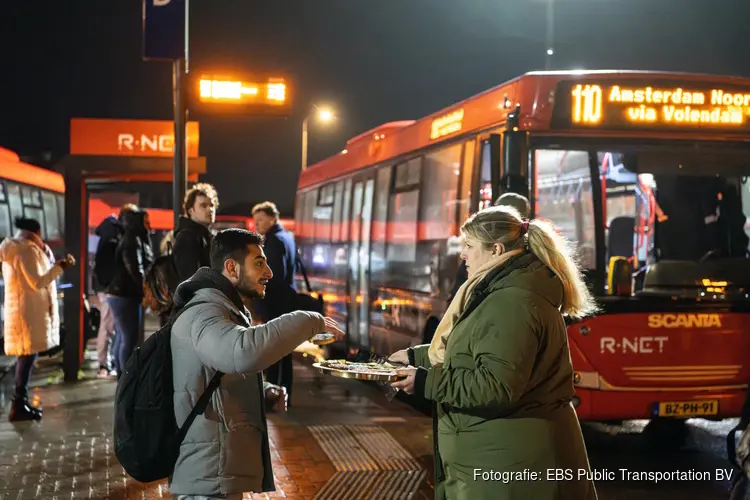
(664, 105)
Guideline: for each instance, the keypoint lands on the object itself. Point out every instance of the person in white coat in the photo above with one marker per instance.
(32, 321)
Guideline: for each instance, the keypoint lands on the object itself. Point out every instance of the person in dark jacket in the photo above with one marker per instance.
(520, 203)
(126, 289)
(109, 232)
(281, 252)
(192, 237)
(226, 451)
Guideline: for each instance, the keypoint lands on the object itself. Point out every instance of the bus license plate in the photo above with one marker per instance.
(689, 408)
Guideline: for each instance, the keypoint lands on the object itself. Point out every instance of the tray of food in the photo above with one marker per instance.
(381, 372)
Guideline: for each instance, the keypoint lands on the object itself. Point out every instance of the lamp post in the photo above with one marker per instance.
(550, 34)
(324, 115)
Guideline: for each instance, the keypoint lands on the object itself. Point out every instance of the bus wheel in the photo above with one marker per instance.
(666, 433)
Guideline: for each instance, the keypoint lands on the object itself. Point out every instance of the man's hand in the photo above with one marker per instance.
(333, 327)
(406, 385)
(67, 262)
(401, 357)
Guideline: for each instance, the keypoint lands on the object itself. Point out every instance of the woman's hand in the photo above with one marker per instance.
(406, 385)
(401, 357)
(67, 262)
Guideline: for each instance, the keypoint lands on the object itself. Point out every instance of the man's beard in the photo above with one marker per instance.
(246, 288)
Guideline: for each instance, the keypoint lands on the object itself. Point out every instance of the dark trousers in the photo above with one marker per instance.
(24, 367)
(281, 373)
(128, 313)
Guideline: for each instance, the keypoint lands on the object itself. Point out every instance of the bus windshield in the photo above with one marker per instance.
(669, 213)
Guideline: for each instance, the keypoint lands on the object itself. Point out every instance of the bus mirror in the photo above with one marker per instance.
(495, 143)
(514, 166)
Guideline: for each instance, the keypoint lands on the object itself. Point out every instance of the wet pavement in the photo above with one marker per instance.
(337, 439)
(341, 440)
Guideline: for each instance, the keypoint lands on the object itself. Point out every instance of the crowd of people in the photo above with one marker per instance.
(497, 371)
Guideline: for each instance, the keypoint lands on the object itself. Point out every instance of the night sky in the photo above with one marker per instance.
(372, 61)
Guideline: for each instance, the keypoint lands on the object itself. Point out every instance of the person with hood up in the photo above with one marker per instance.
(125, 291)
(498, 368)
(32, 319)
(226, 451)
(109, 232)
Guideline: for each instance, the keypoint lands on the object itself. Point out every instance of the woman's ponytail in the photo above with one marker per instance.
(554, 251)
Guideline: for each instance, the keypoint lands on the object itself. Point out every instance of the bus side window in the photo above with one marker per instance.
(402, 227)
(322, 214)
(346, 211)
(14, 200)
(61, 212)
(467, 175)
(379, 241)
(52, 219)
(485, 178)
(439, 193)
(337, 206)
(6, 228)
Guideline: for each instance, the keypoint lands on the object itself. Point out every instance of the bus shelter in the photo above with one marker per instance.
(105, 151)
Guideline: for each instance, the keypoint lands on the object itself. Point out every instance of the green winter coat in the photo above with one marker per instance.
(503, 394)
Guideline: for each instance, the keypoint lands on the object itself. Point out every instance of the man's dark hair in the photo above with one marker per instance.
(200, 189)
(515, 200)
(232, 243)
(28, 225)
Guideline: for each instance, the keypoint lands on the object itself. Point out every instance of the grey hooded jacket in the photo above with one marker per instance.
(226, 449)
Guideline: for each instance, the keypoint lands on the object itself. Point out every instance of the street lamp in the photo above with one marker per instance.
(324, 115)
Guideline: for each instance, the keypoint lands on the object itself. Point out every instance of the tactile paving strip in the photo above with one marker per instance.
(369, 463)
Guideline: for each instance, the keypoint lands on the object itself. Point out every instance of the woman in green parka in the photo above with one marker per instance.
(499, 369)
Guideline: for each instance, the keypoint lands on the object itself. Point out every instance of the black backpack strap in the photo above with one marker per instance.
(200, 406)
(301, 267)
(205, 398)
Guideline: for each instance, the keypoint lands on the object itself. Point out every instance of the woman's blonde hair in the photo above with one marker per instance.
(503, 225)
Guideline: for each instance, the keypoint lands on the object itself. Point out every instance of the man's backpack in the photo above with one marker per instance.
(147, 438)
(160, 283)
(105, 261)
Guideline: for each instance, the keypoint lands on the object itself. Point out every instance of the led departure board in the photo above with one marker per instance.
(656, 105)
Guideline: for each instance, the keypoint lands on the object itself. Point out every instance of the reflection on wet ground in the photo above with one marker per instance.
(343, 439)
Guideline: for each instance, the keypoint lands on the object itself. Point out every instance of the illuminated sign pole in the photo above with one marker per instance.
(166, 37)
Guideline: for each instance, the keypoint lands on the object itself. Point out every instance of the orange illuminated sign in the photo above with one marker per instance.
(659, 104)
(447, 124)
(106, 137)
(214, 93)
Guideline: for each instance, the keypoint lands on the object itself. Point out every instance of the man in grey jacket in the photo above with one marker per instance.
(226, 451)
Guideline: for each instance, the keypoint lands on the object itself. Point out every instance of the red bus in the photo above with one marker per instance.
(245, 222)
(644, 173)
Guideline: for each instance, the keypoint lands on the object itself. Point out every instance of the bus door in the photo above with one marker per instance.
(358, 317)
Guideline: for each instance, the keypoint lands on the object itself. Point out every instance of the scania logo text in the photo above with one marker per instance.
(684, 321)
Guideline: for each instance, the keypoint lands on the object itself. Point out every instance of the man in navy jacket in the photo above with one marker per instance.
(281, 293)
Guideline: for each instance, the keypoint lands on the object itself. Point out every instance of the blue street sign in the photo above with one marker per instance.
(164, 29)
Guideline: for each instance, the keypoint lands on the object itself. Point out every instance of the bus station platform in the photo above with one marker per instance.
(342, 439)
